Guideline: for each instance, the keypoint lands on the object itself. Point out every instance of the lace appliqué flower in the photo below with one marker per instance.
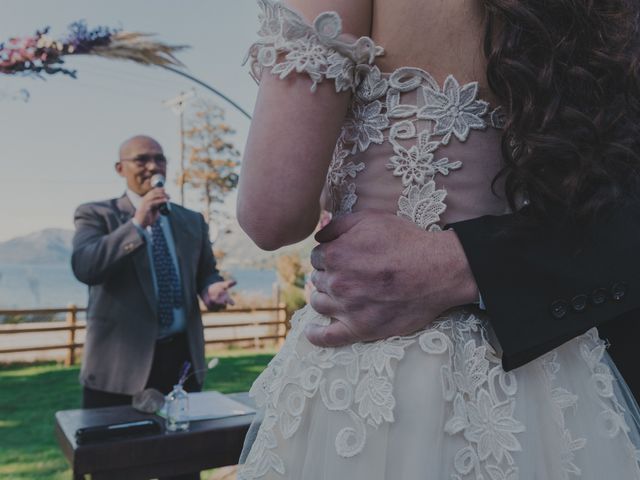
(339, 170)
(455, 110)
(611, 421)
(342, 191)
(313, 49)
(422, 205)
(417, 163)
(492, 427)
(562, 400)
(372, 87)
(483, 407)
(305, 55)
(364, 126)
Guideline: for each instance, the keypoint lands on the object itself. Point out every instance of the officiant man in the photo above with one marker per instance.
(145, 271)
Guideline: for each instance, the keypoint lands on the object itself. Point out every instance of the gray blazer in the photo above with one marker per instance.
(110, 256)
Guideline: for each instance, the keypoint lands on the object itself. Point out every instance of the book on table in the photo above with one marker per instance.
(212, 405)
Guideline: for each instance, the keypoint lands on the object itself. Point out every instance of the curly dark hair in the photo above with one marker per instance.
(568, 75)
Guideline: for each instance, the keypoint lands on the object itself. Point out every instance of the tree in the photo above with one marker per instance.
(213, 161)
(291, 274)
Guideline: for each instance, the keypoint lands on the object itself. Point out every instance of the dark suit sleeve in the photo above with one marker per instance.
(207, 271)
(97, 252)
(542, 288)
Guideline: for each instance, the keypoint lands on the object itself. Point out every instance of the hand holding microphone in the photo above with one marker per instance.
(154, 202)
(158, 181)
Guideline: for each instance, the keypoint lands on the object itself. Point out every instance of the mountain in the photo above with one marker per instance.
(240, 251)
(51, 245)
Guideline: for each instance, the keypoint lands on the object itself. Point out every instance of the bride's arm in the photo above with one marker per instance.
(291, 140)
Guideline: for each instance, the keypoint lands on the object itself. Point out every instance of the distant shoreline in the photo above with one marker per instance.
(26, 286)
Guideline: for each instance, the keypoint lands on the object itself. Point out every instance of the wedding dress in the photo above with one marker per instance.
(435, 404)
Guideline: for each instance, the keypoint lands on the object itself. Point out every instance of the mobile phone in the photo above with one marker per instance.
(113, 431)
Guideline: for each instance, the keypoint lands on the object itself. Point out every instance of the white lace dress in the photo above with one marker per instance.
(434, 405)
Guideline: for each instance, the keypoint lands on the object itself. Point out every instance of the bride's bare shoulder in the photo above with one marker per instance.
(355, 14)
(441, 36)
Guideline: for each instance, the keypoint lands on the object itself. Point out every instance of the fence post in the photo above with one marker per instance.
(286, 317)
(275, 293)
(71, 322)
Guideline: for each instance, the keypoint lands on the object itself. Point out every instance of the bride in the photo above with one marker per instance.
(392, 105)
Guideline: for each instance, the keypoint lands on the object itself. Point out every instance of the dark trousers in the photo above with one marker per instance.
(168, 357)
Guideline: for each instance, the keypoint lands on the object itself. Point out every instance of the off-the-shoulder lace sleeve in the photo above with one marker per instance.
(289, 44)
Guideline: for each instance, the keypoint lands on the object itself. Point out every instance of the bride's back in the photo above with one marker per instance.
(422, 122)
(421, 135)
(426, 145)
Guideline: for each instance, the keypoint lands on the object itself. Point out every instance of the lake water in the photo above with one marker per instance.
(42, 286)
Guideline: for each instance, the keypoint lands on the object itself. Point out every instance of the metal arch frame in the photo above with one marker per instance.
(208, 87)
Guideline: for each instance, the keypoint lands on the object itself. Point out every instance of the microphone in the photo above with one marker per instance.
(158, 181)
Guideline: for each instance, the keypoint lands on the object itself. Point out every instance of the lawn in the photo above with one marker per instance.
(31, 394)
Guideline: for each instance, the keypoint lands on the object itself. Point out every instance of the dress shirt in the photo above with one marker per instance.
(179, 318)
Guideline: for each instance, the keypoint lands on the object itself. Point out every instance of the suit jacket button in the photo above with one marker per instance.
(579, 302)
(599, 296)
(559, 308)
(618, 291)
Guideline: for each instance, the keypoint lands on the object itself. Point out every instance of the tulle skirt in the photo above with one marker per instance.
(437, 405)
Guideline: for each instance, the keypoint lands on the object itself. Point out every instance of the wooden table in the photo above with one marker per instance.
(207, 444)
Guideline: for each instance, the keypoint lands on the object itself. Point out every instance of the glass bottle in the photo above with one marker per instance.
(177, 404)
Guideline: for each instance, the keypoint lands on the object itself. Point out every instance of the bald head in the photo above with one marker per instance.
(140, 143)
(141, 157)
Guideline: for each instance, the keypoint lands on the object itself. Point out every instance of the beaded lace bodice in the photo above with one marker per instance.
(406, 144)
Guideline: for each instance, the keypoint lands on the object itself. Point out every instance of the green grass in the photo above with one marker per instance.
(31, 394)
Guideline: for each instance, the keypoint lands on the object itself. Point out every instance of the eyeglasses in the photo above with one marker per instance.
(144, 158)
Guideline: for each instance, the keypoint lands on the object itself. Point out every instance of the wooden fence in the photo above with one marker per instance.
(72, 325)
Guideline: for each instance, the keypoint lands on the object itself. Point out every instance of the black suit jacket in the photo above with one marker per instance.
(545, 286)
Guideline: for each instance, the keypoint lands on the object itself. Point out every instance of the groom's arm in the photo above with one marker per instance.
(542, 288)
(378, 275)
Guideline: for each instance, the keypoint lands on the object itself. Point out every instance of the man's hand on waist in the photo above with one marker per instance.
(378, 275)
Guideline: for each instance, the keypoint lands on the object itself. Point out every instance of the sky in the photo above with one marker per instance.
(57, 150)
